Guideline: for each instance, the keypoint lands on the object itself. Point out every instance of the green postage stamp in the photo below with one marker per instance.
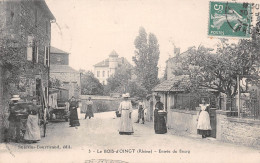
(230, 19)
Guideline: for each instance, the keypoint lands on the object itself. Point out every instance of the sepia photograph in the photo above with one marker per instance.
(129, 81)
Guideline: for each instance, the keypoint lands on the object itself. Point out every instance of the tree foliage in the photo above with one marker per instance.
(121, 82)
(146, 59)
(90, 85)
(219, 70)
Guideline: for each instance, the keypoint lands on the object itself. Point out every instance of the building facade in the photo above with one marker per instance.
(60, 69)
(106, 68)
(25, 29)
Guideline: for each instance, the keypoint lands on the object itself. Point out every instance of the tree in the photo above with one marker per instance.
(219, 70)
(121, 82)
(146, 59)
(90, 85)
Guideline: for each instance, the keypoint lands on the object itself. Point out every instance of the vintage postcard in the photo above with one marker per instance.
(129, 81)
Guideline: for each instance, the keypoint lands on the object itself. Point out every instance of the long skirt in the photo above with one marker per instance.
(160, 124)
(126, 124)
(74, 119)
(203, 125)
(32, 128)
(89, 112)
(14, 130)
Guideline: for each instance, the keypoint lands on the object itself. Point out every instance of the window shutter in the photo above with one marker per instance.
(45, 53)
(48, 56)
(30, 48)
(37, 54)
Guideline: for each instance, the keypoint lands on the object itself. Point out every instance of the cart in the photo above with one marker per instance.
(60, 112)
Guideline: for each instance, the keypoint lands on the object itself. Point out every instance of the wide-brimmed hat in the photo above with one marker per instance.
(15, 97)
(126, 95)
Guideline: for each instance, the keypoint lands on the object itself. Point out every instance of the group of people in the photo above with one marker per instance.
(126, 127)
(125, 109)
(74, 109)
(18, 111)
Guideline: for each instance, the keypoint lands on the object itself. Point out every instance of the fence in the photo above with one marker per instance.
(189, 101)
(249, 105)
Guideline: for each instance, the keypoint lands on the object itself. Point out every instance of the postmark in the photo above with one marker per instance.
(230, 19)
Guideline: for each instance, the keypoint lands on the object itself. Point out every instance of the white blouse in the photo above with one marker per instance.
(125, 105)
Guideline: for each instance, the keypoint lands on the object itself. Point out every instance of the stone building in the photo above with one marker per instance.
(104, 69)
(60, 69)
(25, 29)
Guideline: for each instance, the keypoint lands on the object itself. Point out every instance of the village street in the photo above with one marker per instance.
(99, 135)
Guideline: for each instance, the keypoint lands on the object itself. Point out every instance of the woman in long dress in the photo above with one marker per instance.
(125, 109)
(159, 120)
(74, 118)
(32, 133)
(89, 112)
(203, 126)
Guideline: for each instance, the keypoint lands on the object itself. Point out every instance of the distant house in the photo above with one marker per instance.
(104, 69)
(60, 69)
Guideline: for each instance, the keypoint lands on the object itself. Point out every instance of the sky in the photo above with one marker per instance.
(91, 29)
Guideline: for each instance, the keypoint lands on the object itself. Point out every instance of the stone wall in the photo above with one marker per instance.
(24, 18)
(101, 104)
(182, 121)
(238, 130)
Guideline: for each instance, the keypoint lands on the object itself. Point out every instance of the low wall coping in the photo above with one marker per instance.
(194, 112)
(243, 120)
(223, 112)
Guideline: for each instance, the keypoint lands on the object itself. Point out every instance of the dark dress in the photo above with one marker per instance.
(159, 120)
(74, 120)
(89, 112)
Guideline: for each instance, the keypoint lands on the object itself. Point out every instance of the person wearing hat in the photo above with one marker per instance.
(89, 112)
(74, 119)
(203, 126)
(159, 120)
(125, 109)
(14, 123)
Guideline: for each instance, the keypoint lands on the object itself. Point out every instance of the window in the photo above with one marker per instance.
(103, 73)
(47, 56)
(98, 73)
(30, 48)
(35, 55)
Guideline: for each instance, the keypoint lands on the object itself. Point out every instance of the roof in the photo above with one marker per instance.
(175, 85)
(113, 54)
(44, 6)
(62, 68)
(104, 63)
(169, 85)
(57, 51)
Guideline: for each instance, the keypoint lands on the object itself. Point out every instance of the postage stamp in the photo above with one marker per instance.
(230, 19)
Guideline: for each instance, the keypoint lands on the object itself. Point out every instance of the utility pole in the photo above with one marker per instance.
(238, 95)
